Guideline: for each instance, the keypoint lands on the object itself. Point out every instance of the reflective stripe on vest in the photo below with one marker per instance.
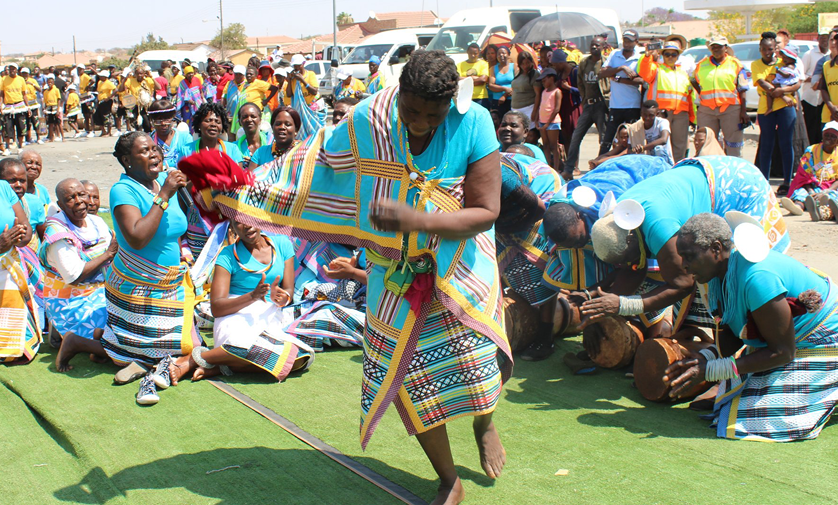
(671, 89)
(718, 83)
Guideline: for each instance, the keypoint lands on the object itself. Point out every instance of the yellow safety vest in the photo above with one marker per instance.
(669, 87)
(718, 83)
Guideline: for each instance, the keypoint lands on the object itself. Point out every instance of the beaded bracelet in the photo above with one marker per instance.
(631, 305)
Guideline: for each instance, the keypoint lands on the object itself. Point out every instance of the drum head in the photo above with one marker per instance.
(128, 101)
(620, 343)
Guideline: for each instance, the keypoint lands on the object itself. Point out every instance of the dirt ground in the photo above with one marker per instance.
(812, 243)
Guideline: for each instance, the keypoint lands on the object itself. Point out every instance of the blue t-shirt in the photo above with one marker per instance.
(670, 199)
(242, 281)
(262, 155)
(171, 151)
(37, 203)
(189, 148)
(502, 79)
(9, 198)
(164, 247)
(623, 96)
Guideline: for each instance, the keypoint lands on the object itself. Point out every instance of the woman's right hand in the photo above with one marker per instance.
(11, 236)
(261, 290)
(174, 181)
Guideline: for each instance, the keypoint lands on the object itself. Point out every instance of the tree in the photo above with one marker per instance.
(234, 37)
(732, 25)
(150, 44)
(344, 18)
(662, 15)
(805, 18)
(113, 60)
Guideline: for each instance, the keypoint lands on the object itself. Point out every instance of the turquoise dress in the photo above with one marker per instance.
(262, 155)
(246, 271)
(231, 149)
(9, 199)
(171, 151)
(245, 151)
(164, 247)
(793, 401)
(37, 203)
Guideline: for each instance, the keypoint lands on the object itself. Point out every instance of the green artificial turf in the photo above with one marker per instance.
(76, 438)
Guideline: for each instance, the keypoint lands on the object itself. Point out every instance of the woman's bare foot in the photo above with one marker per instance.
(181, 368)
(69, 348)
(98, 359)
(204, 373)
(492, 453)
(450, 495)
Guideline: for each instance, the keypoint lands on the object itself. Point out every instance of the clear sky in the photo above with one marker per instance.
(122, 24)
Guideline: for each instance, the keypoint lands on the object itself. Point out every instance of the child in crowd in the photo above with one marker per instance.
(549, 121)
(786, 75)
(72, 109)
(656, 133)
(619, 147)
(52, 101)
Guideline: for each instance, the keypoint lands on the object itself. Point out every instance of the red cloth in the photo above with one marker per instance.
(213, 169)
(802, 177)
(420, 291)
(219, 91)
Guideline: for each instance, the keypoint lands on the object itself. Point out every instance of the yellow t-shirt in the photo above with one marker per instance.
(309, 78)
(13, 89)
(257, 91)
(354, 85)
(84, 83)
(52, 96)
(32, 88)
(480, 68)
(174, 83)
(133, 85)
(830, 77)
(72, 102)
(105, 89)
(759, 70)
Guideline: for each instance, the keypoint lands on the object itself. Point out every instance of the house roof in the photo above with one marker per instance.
(271, 40)
(350, 35)
(66, 59)
(408, 19)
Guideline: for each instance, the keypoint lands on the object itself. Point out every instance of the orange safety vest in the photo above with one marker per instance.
(718, 83)
(670, 87)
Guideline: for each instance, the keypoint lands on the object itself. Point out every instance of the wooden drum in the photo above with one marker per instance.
(620, 344)
(567, 318)
(655, 355)
(521, 321)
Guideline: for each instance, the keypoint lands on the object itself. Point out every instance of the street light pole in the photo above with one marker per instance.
(334, 29)
(221, 21)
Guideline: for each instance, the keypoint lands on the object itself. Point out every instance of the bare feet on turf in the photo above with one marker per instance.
(98, 359)
(69, 348)
(181, 368)
(450, 495)
(492, 453)
(204, 373)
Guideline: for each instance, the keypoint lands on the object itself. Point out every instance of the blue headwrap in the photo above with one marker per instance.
(375, 59)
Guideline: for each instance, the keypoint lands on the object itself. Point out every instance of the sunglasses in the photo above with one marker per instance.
(670, 55)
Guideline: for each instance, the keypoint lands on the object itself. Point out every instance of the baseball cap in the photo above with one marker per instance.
(825, 30)
(103, 73)
(24, 70)
(547, 72)
(281, 71)
(13, 64)
(239, 69)
(558, 56)
(298, 59)
(717, 41)
(832, 125)
(631, 35)
(343, 74)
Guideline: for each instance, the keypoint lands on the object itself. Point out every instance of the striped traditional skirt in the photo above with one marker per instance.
(791, 402)
(20, 334)
(150, 311)
(77, 309)
(253, 335)
(320, 323)
(525, 278)
(432, 366)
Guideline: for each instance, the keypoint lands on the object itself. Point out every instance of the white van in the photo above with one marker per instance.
(392, 46)
(476, 25)
(154, 58)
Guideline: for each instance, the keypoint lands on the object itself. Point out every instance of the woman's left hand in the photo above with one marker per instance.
(279, 296)
(683, 375)
(390, 215)
(601, 304)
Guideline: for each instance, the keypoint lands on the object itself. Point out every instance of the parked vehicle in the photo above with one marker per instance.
(319, 67)
(476, 25)
(155, 58)
(393, 47)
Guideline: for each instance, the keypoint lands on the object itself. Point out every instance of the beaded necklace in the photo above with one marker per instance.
(262, 270)
(279, 152)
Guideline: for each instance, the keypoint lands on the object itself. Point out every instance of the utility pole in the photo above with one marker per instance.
(74, 51)
(221, 20)
(334, 29)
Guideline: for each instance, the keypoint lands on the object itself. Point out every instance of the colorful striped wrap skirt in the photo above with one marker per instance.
(253, 335)
(437, 362)
(20, 328)
(150, 311)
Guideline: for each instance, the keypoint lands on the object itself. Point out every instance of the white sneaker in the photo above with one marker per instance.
(60, 139)
(83, 135)
(40, 141)
(78, 135)
(147, 395)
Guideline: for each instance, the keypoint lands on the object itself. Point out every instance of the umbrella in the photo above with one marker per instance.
(560, 26)
(503, 39)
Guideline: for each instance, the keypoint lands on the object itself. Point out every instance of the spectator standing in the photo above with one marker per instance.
(569, 109)
(809, 94)
(593, 91)
(478, 71)
(670, 88)
(625, 85)
(526, 89)
(500, 82)
(721, 81)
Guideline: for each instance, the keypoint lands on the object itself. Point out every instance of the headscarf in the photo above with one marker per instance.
(711, 146)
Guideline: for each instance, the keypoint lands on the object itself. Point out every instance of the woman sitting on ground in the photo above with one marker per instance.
(706, 143)
(149, 293)
(247, 332)
(250, 119)
(816, 181)
(513, 131)
(783, 385)
(619, 147)
(161, 113)
(285, 123)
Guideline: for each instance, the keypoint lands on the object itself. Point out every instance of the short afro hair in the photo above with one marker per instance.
(205, 110)
(559, 218)
(430, 75)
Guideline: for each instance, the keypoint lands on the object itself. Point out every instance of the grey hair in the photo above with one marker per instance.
(610, 241)
(521, 116)
(706, 228)
(24, 152)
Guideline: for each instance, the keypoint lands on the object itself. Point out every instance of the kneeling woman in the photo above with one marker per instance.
(247, 330)
(783, 385)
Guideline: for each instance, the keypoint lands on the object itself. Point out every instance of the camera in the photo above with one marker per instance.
(654, 46)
